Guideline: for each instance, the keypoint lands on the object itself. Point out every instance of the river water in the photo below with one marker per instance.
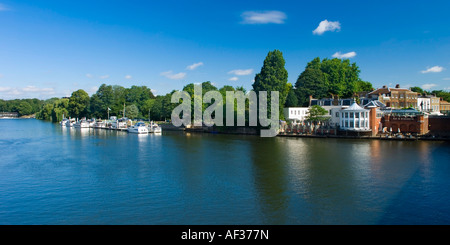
(54, 175)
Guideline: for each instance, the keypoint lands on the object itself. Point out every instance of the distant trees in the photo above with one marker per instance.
(417, 90)
(54, 110)
(21, 106)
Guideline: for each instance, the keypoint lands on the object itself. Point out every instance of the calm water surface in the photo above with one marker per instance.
(54, 175)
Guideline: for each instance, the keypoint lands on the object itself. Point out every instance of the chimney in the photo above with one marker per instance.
(397, 86)
(384, 86)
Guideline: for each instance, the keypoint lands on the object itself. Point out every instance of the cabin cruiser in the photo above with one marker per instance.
(91, 122)
(119, 123)
(63, 123)
(83, 123)
(100, 124)
(70, 122)
(154, 128)
(138, 128)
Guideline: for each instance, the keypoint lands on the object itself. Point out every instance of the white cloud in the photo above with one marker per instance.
(428, 86)
(104, 76)
(89, 75)
(263, 17)
(4, 89)
(194, 66)
(433, 69)
(233, 79)
(348, 55)
(170, 75)
(241, 72)
(35, 89)
(326, 25)
(128, 77)
(14, 92)
(154, 91)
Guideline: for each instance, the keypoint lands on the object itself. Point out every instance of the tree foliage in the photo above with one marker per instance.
(317, 114)
(327, 77)
(273, 77)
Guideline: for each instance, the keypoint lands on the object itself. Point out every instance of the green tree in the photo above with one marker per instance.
(45, 113)
(79, 104)
(341, 76)
(291, 100)
(311, 82)
(24, 108)
(131, 111)
(417, 90)
(273, 77)
(317, 114)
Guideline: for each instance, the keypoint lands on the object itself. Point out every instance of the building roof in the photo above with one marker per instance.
(354, 107)
(375, 103)
(388, 90)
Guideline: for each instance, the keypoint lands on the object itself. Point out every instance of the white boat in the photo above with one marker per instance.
(100, 124)
(83, 123)
(138, 128)
(154, 128)
(63, 123)
(70, 122)
(120, 123)
(91, 122)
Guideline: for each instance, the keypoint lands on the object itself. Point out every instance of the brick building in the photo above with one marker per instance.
(405, 121)
(396, 98)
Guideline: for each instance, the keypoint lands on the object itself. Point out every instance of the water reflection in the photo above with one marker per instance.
(270, 179)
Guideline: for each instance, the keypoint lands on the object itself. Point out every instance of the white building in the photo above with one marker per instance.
(295, 115)
(424, 103)
(355, 118)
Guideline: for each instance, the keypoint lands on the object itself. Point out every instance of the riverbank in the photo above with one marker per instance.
(367, 137)
(252, 131)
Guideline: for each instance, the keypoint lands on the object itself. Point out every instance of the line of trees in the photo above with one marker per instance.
(21, 106)
(321, 78)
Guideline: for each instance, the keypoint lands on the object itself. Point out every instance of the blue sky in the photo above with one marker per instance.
(52, 48)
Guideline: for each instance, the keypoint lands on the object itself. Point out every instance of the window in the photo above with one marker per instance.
(351, 114)
(351, 124)
(346, 124)
(337, 114)
(367, 124)
(357, 124)
(346, 115)
(356, 114)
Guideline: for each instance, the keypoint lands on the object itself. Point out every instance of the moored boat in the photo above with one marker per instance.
(154, 128)
(83, 123)
(138, 128)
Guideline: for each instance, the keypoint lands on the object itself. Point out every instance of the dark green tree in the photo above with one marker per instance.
(341, 76)
(79, 104)
(417, 90)
(311, 82)
(291, 100)
(273, 77)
